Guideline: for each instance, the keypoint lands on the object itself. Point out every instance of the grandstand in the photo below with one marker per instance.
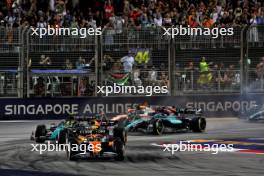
(132, 26)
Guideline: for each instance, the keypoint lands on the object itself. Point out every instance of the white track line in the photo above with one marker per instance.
(16, 121)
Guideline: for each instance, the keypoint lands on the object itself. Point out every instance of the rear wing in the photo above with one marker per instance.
(83, 118)
(108, 123)
(196, 111)
(102, 122)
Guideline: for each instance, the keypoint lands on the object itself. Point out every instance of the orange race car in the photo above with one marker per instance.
(96, 137)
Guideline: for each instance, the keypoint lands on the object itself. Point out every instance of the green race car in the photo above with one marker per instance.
(54, 132)
(157, 120)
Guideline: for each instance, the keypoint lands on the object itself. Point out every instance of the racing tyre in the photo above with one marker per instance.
(198, 124)
(119, 149)
(69, 153)
(120, 133)
(62, 137)
(256, 118)
(158, 127)
(41, 131)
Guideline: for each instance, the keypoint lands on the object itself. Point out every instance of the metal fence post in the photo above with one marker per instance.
(171, 67)
(243, 56)
(20, 68)
(27, 57)
(96, 59)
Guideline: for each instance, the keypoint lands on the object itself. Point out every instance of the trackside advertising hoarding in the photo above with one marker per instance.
(56, 108)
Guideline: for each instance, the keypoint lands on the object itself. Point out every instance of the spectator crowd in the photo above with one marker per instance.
(135, 13)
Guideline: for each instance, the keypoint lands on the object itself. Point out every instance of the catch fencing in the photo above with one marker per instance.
(11, 77)
(59, 66)
(254, 60)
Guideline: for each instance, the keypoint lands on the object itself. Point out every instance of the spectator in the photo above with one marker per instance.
(29, 63)
(229, 77)
(10, 19)
(90, 89)
(238, 11)
(67, 19)
(215, 15)
(90, 63)
(203, 65)
(45, 61)
(162, 67)
(253, 33)
(135, 14)
(39, 88)
(118, 23)
(205, 74)
(167, 21)
(217, 79)
(97, 17)
(109, 34)
(41, 23)
(144, 20)
(260, 69)
(189, 75)
(68, 64)
(164, 79)
(158, 19)
(10, 37)
(207, 22)
(128, 62)
(192, 20)
(107, 63)
(74, 23)
(82, 87)
(153, 76)
(2, 19)
(80, 63)
(109, 9)
(127, 8)
(136, 79)
(117, 67)
(91, 22)
(142, 13)
(260, 18)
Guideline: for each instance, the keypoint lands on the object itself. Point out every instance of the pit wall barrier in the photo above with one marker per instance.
(59, 108)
